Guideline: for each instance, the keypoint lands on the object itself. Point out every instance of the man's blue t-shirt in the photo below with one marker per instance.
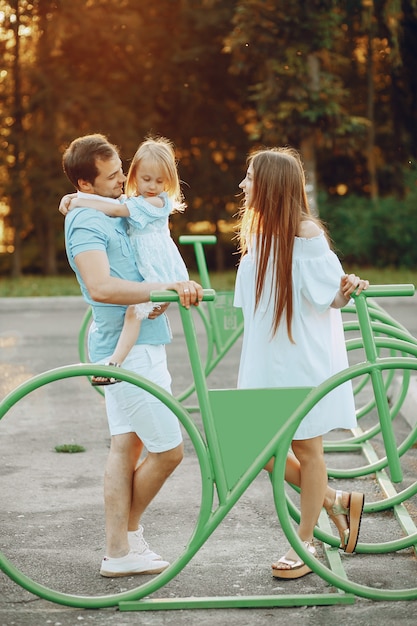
(88, 229)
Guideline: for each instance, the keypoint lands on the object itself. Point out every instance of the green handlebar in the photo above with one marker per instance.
(190, 239)
(373, 291)
(377, 291)
(172, 296)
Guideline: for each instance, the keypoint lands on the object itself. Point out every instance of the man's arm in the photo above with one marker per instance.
(94, 268)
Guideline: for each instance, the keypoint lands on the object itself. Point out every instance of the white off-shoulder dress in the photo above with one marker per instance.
(319, 350)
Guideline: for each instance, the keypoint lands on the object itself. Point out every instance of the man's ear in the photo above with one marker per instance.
(85, 186)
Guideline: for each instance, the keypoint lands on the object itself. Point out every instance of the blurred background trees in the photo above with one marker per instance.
(336, 80)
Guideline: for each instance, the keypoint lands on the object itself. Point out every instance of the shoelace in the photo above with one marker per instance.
(142, 544)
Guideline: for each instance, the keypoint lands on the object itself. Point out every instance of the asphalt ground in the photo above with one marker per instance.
(51, 506)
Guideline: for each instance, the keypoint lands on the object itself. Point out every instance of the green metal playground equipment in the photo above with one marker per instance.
(233, 449)
(223, 326)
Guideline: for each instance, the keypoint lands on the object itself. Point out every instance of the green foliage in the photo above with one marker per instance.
(289, 53)
(377, 234)
(48, 286)
(33, 286)
(335, 80)
(36, 286)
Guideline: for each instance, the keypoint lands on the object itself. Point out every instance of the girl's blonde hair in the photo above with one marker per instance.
(272, 216)
(160, 152)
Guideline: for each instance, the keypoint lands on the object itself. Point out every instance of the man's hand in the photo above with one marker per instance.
(190, 292)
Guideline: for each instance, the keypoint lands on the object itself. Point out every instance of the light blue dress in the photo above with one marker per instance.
(319, 350)
(157, 256)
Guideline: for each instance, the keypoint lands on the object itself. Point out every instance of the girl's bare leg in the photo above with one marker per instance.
(127, 340)
(128, 336)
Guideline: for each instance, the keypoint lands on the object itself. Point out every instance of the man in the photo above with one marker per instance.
(99, 252)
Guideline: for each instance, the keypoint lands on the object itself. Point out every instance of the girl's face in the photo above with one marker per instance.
(246, 184)
(150, 179)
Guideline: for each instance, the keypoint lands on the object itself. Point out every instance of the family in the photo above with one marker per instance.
(289, 284)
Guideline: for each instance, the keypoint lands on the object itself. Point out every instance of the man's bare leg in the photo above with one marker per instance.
(118, 481)
(148, 479)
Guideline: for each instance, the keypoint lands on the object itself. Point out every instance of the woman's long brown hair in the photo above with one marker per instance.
(272, 216)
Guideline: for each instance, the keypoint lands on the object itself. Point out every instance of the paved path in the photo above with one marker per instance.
(51, 510)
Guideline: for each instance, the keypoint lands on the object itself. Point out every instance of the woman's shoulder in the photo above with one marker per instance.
(311, 240)
(309, 229)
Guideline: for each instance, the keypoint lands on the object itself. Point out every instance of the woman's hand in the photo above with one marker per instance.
(350, 283)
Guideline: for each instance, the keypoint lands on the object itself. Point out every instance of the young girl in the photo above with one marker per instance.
(290, 285)
(153, 193)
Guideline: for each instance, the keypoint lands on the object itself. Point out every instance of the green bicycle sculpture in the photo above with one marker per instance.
(232, 451)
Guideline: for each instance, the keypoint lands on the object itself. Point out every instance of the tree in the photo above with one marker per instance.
(320, 76)
(218, 78)
(14, 16)
(289, 55)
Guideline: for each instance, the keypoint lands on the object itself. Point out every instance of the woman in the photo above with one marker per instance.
(290, 286)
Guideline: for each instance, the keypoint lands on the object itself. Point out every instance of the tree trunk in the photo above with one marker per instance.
(307, 147)
(370, 107)
(308, 153)
(16, 189)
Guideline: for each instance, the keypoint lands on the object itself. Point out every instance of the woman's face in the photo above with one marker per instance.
(246, 184)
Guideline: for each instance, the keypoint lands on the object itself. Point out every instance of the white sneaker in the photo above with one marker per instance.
(131, 565)
(138, 544)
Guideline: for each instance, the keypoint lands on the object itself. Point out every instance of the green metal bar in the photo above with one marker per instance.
(198, 241)
(401, 513)
(360, 435)
(82, 334)
(379, 391)
(332, 554)
(204, 403)
(239, 602)
(211, 323)
(192, 239)
(201, 386)
(186, 393)
(387, 363)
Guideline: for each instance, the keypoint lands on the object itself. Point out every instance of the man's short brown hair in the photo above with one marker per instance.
(79, 159)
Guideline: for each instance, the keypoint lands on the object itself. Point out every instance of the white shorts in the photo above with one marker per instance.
(132, 409)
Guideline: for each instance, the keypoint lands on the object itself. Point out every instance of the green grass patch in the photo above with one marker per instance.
(69, 448)
(34, 286)
(56, 286)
